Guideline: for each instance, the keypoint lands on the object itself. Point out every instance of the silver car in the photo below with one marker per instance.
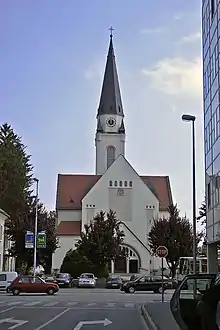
(87, 280)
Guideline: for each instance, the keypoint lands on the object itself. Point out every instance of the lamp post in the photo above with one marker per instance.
(35, 226)
(192, 119)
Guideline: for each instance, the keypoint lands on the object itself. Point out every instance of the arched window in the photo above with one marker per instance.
(110, 155)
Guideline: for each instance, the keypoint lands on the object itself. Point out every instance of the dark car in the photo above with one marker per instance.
(113, 282)
(64, 280)
(145, 283)
(187, 298)
(30, 284)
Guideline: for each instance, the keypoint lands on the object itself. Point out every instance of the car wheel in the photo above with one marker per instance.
(8, 290)
(50, 292)
(16, 292)
(131, 289)
(160, 290)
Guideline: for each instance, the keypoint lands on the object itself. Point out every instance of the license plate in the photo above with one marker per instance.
(114, 284)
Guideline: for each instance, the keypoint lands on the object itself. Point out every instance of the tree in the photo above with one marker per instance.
(202, 214)
(101, 240)
(46, 222)
(176, 234)
(75, 264)
(15, 177)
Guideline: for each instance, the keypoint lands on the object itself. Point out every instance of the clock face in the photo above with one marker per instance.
(111, 122)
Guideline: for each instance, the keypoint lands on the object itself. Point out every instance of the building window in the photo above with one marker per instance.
(116, 183)
(120, 183)
(213, 7)
(110, 183)
(130, 183)
(110, 155)
(126, 183)
(209, 195)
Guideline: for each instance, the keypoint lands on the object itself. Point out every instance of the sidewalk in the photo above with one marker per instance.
(158, 316)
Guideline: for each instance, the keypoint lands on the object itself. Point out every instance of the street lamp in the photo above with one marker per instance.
(192, 119)
(35, 226)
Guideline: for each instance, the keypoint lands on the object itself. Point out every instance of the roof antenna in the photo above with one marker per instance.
(111, 32)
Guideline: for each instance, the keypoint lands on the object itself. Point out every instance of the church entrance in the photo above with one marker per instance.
(126, 264)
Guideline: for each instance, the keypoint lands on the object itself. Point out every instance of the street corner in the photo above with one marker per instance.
(26, 318)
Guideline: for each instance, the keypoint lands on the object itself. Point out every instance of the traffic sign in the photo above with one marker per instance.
(162, 251)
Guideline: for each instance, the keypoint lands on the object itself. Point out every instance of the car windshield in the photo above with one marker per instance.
(114, 277)
(62, 275)
(87, 276)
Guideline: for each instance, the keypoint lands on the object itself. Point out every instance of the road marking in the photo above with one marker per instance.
(52, 320)
(110, 305)
(82, 323)
(33, 303)
(51, 304)
(14, 303)
(73, 303)
(7, 309)
(129, 305)
(91, 304)
(17, 323)
(2, 302)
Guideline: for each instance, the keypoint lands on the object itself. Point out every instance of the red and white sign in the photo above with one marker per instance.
(162, 251)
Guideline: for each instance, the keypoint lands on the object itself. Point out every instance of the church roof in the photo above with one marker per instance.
(110, 100)
(71, 188)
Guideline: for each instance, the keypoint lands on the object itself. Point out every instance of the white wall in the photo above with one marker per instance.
(2, 225)
(69, 215)
(65, 244)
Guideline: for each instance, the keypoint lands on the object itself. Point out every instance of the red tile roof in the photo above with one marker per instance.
(71, 188)
(66, 228)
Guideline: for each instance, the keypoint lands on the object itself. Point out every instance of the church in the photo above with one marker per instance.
(137, 200)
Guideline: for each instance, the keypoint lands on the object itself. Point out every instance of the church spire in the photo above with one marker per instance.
(110, 101)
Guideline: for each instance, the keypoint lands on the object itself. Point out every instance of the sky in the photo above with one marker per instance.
(52, 60)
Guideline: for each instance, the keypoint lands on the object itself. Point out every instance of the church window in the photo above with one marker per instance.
(126, 183)
(130, 183)
(110, 155)
(120, 183)
(116, 183)
(110, 183)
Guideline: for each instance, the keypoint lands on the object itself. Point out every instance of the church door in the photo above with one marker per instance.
(120, 265)
(133, 266)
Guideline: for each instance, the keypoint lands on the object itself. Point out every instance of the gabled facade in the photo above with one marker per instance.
(7, 263)
(116, 186)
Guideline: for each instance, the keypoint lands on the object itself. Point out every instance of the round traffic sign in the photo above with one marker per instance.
(162, 251)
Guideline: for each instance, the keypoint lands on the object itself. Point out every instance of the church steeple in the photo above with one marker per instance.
(110, 131)
(110, 101)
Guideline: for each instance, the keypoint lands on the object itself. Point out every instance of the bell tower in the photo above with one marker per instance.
(110, 132)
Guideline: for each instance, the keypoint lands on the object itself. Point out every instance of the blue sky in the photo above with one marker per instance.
(51, 67)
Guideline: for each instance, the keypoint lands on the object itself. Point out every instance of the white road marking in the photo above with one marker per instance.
(33, 303)
(52, 320)
(14, 303)
(110, 305)
(129, 305)
(51, 304)
(73, 303)
(7, 309)
(91, 304)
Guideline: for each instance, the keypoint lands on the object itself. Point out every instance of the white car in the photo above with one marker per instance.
(87, 280)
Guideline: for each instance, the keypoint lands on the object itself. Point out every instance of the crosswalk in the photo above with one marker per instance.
(70, 304)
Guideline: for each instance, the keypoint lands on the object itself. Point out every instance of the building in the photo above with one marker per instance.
(7, 262)
(211, 94)
(115, 185)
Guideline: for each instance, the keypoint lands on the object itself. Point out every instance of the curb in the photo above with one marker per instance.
(148, 319)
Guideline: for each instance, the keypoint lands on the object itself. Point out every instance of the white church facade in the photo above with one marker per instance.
(137, 200)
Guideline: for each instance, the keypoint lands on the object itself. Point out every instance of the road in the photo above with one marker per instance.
(71, 308)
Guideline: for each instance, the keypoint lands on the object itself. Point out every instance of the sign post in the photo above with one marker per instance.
(29, 240)
(162, 253)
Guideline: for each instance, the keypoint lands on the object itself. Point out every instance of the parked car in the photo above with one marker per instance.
(87, 280)
(30, 284)
(135, 276)
(113, 282)
(144, 283)
(5, 280)
(64, 280)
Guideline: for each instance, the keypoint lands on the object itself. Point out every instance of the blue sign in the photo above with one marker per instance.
(29, 240)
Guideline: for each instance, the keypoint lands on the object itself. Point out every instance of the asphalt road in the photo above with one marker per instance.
(75, 309)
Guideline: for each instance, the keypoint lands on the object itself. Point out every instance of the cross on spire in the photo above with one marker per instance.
(111, 31)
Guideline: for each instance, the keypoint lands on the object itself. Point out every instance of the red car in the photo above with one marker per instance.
(29, 284)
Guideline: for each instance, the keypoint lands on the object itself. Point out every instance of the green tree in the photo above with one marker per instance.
(15, 178)
(101, 240)
(75, 264)
(176, 234)
(202, 214)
